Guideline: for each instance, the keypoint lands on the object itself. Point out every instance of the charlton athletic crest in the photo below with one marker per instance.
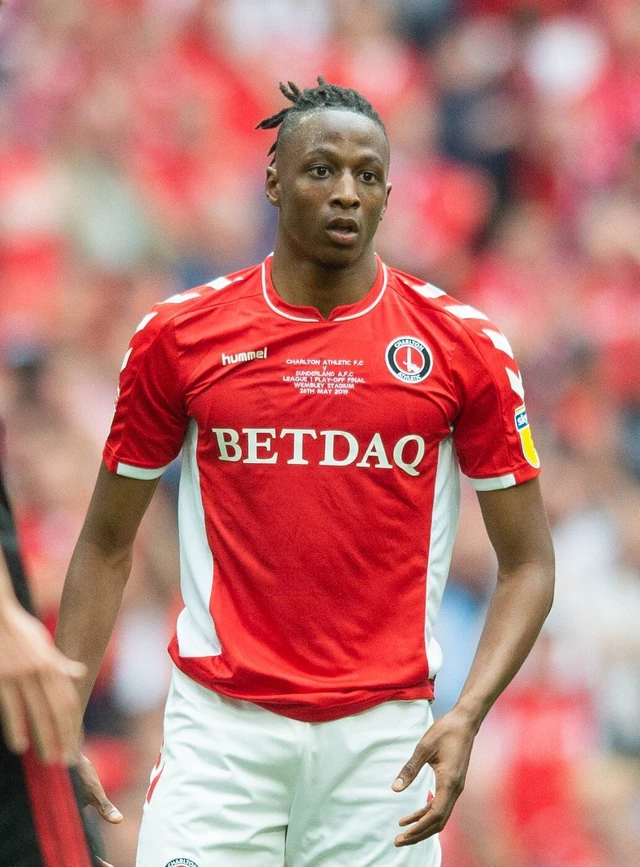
(182, 862)
(409, 359)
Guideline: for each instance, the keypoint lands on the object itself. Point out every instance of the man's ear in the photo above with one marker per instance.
(272, 186)
(386, 200)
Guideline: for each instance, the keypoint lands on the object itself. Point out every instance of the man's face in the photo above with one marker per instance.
(330, 183)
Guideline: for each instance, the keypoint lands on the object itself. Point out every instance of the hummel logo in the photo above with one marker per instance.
(244, 356)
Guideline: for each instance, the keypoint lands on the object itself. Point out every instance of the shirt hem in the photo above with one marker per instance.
(303, 711)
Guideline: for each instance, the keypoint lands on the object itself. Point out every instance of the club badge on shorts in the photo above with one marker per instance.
(409, 359)
(181, 862)
(522, 426)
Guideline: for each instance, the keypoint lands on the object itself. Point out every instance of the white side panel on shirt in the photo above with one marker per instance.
(196, 630)
(444, 524)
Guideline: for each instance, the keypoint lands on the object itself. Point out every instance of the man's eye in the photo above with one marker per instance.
(369, 177)
(320, 171)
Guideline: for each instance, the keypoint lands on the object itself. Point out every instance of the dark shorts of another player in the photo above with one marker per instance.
(40, 823)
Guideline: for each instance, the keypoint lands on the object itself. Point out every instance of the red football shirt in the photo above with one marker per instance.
(319, 492)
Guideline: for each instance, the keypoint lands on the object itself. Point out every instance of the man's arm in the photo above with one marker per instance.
(99, 571)
(93, 589)
(38, 701)
(517, 525)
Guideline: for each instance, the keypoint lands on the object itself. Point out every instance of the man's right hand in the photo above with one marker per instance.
(93, 792)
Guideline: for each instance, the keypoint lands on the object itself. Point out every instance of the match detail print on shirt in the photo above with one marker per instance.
(329, 376)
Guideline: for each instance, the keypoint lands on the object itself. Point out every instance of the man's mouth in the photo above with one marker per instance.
(343, 230)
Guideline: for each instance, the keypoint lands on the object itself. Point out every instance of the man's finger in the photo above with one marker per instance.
(411, 769)
(64, 707)
(409, 820)
(41, 723)
(432, 823)
(12, 717)
(111, 813)
(103, 805)
(95, 794)
(433, 817)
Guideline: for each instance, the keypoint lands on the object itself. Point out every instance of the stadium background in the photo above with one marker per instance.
(129, 170)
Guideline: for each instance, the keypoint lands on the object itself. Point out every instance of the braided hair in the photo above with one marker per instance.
(315, 98)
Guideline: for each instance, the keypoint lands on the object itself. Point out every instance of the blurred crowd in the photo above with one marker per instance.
(130, 169)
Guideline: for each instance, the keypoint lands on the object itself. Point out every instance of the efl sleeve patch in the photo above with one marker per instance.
(526, 439)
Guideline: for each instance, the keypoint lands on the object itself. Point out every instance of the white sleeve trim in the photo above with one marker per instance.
(140, 472)
(495, 483)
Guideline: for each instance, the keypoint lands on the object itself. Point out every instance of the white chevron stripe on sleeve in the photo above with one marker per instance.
(220, 283)
(516, 382)
(179, 298)
(465, 311)
(145, 321)
(126, 358)
(428, 290)
(499, 341)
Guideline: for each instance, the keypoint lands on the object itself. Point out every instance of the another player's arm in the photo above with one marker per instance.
(93, 589)
(517, 525)
(38, 702)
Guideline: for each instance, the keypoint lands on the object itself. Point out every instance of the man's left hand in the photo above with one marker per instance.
(446, 746)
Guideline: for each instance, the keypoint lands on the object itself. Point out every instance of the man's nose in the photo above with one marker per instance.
(345, 191)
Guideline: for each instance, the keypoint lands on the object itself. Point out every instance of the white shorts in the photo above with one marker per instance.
(240, 786)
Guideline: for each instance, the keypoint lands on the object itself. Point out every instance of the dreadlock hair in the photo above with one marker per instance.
(315, 98)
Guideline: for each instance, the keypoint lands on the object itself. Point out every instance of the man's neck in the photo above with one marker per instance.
(308, 284)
